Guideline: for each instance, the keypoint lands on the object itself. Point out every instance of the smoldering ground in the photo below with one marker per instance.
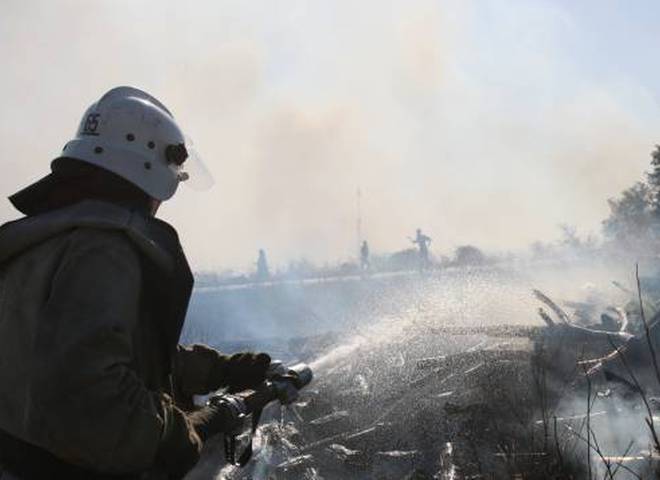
(399, 376)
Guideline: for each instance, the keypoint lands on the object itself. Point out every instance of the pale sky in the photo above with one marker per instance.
(486, 122)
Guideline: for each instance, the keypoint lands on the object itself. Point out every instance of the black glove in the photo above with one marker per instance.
(219, 418)
(245, 370)
(198, 369)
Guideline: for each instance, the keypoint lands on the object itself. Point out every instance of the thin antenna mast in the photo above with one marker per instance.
(358, 225)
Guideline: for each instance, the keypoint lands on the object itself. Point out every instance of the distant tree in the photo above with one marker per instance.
(469, 255)
(632, 214)
(407, 259)
(653, 179)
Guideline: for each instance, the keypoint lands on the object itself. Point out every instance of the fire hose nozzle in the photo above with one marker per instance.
(303, 373)
(287, 381)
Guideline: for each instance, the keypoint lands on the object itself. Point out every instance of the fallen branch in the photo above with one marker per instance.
(563, 316)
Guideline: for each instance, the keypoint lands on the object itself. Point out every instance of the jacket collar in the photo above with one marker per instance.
(21, 234)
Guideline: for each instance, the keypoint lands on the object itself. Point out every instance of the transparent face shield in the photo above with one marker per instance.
(188, 166)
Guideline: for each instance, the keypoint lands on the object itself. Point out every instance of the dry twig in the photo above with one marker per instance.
(647, 330)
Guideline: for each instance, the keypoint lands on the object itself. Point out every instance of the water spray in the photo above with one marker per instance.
(282, 385)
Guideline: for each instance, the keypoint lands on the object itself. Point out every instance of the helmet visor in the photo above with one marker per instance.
(193, 172)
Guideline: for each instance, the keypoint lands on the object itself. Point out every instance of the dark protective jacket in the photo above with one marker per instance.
(92, 302)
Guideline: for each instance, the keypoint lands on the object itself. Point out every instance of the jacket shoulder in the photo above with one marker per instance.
(113, 244)
(94, 238)
(90, 215)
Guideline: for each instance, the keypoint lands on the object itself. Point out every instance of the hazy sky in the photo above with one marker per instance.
(484, 122)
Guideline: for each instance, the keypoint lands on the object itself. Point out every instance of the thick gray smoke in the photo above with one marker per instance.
(479, 121)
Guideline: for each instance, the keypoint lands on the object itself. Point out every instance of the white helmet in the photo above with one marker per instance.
(132, 134)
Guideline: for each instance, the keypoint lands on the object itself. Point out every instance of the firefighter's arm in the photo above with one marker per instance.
(199, 370)
(98, 413)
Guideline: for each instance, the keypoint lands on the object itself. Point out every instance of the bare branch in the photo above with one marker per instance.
(647, 330)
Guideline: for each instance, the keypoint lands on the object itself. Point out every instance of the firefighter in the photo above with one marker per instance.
(263, 273)
(365, 264)
(422, 241)
(93, 295)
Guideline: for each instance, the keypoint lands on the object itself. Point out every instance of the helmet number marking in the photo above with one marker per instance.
(91, 124)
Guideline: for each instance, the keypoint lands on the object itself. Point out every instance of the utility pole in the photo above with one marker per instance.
(359, 219)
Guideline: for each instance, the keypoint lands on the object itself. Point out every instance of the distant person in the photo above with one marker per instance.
(364, 256)
(263, 273)
(422, 241)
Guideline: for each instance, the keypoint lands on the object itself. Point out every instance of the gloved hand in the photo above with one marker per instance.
(198, 369)
(245, 370)
(213, 419)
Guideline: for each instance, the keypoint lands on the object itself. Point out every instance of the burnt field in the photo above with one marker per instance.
(456, 384)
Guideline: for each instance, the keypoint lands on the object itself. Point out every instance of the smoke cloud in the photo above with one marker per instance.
(481, 122)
